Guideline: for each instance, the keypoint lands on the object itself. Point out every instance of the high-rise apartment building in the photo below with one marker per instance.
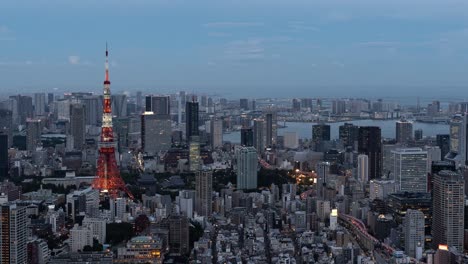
(13, 234)
(204, 189)
(370, 143)
(271, 129)
(458, 133)
(194, 154)
(216, 131)
(448, 210)
(247, 164)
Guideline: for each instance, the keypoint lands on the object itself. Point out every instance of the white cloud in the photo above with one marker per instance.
(232, 24)
(73, 59)
(245, 49)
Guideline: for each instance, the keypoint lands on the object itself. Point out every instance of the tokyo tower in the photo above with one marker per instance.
(108, 178)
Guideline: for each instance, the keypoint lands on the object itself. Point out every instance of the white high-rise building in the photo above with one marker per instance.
(414, 233)
(187, 202)
(363, 168)
(98, 228)
(13, 234)
(80, 236)
(39, 104)
(291, 140)
(118, 208)
(410, 169)
(247, 164)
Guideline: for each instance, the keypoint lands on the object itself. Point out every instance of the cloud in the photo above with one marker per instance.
(4, 29)
(74, 60)
(232, 24)
(249, 49)
(301, 26)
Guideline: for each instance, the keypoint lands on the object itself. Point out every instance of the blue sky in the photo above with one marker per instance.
(237, 48)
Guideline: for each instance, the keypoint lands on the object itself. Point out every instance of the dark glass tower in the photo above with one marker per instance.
(320, 133)
(348, 134)
(3, 156)
(247, 137)
(370, 143)
(191, 122)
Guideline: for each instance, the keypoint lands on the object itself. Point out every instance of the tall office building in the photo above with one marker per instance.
(418, 134)
(158, 104)
(216, 132)
(247, 137)
(404, 132)
(4, 164)
(13, 234)
(414, 233)
(296, 105)
(348, 134)
(191, 119)
(194, 154)
(259, 135)
(291, 140)
(22, 108)
(244, 104)
(458, 133)
(247, 163)
(6, 125)
(33, 133)
(39, 104)
(443, 142)
(338, 107)
(271, 129)
(410, 169)
(448, 210)
(323, 171)
(77, 125)
(204, 189)
(155, 133)
(320, 134)
(50, 98)
(363, 168)
(139, 99)
(93, 105)
(370, 143)
(179, 234)
(119, 105)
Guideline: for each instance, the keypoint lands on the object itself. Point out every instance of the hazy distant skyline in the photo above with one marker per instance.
(238, 48)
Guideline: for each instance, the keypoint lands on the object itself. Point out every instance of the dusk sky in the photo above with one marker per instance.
(237, 48)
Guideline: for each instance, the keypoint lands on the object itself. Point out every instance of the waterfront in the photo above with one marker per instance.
(304, 130)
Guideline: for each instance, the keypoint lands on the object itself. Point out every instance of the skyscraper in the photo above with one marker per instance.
(78, 125)
(204, 189)
(443, 142)
(348, 134)
(179, 234)
(39, 104)
(414, 233)
(458, 133)
(119, 105)
(247, 137)
(244, 104)
(259, 135)
(194, 154)
(13, 234)
(158, 104)
(4, 164)
(155, 133)
(323, 171)
(191, 121)
(33, 133)
(320, 134)
(363, 168)
(410, 169)
(369, 143)
(6, 124)
(216, 132)
(271, 132)
(246, 169)
(22, 108)
(448, 210)
(404, 132)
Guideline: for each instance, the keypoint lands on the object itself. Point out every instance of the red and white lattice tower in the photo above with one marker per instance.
(108, 178)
